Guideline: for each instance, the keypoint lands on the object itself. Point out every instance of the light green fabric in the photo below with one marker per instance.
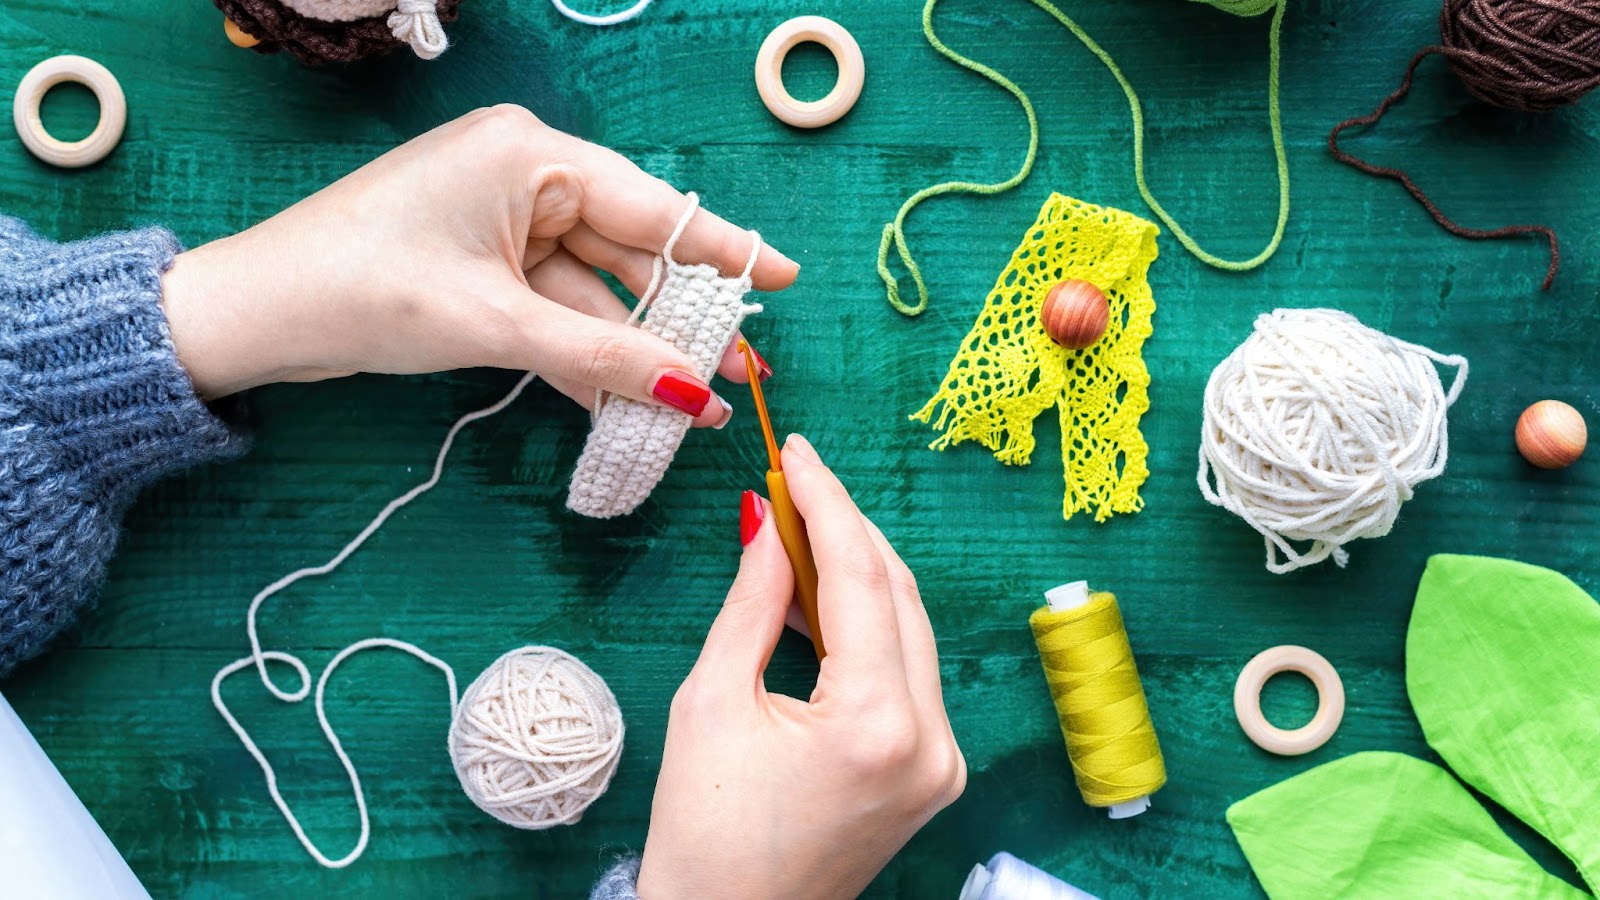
(1383, 825)
(1503, 669)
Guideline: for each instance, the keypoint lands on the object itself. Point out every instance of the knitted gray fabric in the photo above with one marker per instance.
(618, 883)
(93, 406)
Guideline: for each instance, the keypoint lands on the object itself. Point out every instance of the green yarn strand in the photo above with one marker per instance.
(1242, 8)
(894, 233)
(1274, 118)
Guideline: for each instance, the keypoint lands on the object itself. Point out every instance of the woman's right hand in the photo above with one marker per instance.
(763, 795)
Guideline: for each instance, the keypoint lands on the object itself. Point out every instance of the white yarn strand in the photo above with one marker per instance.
(327, 731)
(616, 18)
(259, 658)
(1317, 428)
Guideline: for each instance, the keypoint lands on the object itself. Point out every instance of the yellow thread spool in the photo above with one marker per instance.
(1099, 700)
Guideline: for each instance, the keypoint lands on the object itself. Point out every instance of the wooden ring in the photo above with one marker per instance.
(769, 71)
(1330, 700)
(57, 70)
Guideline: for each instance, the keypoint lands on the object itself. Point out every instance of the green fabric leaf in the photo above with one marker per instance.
(1383, 825)
(1503, 669)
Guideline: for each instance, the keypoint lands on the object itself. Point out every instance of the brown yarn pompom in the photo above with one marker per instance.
(315, 42)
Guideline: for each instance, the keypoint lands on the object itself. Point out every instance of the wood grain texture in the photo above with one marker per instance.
(219, 138)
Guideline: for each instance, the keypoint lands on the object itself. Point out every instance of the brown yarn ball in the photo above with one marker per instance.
(1532, 55)
(314, 42)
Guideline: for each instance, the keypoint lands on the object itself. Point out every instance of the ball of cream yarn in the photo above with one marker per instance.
(536, 738)
(1317, 428)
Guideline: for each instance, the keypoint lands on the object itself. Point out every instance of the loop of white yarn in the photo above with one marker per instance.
(536, 738)
(327, 732)
(551, 699)
(416, 22)
(615, 18)
(1317, 428)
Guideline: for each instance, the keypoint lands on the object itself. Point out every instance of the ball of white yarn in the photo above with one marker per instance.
(1317, 428)
(536, 738)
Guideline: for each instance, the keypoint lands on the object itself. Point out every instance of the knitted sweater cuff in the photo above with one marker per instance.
(88, 371)
(618, 883)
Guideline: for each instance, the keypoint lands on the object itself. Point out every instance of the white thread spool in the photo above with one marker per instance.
(536, 738)
(1009, 878)
(1317, 428)
(30, 126)
(1072, 595)
(50, 844)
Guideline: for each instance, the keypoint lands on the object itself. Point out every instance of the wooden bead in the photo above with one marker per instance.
(237, 35)
(1075, 314)
(1551, 434)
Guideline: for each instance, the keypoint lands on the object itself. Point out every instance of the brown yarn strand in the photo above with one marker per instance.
(1529, 55)
(313, 41)
(1449, 224)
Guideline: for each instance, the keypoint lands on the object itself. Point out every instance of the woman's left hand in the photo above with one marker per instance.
(475, 244)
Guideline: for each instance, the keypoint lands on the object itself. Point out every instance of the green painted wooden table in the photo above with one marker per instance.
(219, 138)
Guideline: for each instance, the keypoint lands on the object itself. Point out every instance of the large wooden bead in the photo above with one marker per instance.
(1075, 314)
(1551, 434)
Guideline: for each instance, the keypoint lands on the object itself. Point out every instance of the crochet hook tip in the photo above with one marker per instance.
(774, 458)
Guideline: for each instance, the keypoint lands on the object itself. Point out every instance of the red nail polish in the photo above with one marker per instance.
(683, 392)
(762, 369)
(751, 514)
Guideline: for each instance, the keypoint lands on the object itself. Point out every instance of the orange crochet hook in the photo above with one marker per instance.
(791, 528)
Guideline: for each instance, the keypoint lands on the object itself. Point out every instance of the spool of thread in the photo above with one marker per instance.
(1529, 55)
(1099, 700)
(1317, 428)
(1009, 878)
(536, 738)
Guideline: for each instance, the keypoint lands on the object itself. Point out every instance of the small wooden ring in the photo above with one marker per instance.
(1330, 700)
(769, 71)
(30, 127)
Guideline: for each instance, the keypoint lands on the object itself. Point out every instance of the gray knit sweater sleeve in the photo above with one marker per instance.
(617, 884)
(93, 406)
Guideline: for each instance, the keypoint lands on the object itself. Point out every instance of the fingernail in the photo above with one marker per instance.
(751, 513)
(801, 448)
(763, 370)
(782, 256)
(727, 415)
(683, 392)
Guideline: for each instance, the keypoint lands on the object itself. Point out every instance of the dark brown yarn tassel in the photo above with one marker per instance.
(1400, 176)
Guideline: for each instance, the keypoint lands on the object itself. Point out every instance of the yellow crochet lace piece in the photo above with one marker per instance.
(1008, 371)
